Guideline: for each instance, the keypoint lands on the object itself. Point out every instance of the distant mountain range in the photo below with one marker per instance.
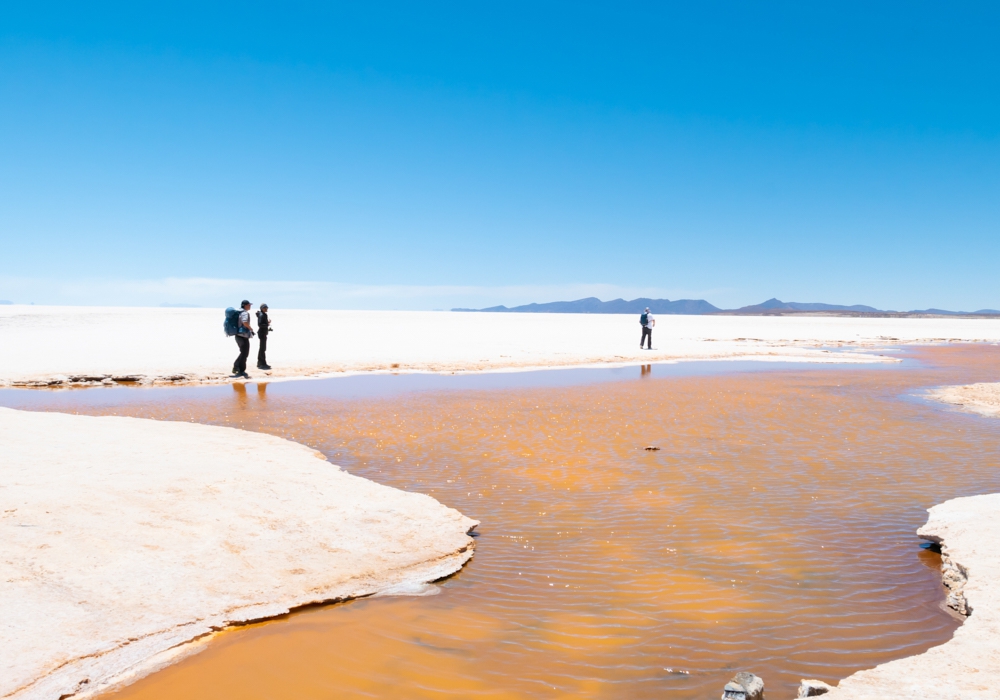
(942, 312)
(593, 305)
(771, 307)
(778, 305)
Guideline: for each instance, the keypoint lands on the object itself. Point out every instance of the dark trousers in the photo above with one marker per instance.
(262, 353)
(647, 332)
(240, 365)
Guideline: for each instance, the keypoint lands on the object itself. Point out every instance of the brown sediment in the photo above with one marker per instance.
(773, 531)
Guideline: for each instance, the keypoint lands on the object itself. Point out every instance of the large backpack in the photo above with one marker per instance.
(232, 323)
(644, 319)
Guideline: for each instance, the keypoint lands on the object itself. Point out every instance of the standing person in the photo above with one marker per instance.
(263, 328)
(243, 336)
(647, 322)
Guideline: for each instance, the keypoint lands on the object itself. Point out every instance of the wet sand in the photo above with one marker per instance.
(773, 531)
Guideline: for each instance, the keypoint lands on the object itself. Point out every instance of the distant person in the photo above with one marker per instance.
(243, 335)
(263, 328)
(647, 322)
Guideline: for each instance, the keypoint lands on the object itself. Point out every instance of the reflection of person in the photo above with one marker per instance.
(647, 322)
(263, 328)
(241, 394)
(646, 370)
(243, 335)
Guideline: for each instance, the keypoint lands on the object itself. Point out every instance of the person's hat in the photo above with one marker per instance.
(647, 308)
(244, 302)
(263, 306)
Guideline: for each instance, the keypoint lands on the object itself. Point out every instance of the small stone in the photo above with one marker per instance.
(812, 688)
(744, 686)
(734, 691)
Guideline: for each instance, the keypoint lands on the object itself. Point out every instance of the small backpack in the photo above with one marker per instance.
(232, 323)
(644, 319)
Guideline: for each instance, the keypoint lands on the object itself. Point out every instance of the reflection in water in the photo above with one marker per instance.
(242, 397)
(240, 392)
(773, 532)
(647, 370)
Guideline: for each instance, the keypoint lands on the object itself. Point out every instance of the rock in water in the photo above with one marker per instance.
(810, 688)
(744, 686)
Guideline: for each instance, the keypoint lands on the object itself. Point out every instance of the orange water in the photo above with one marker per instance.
(773, 532)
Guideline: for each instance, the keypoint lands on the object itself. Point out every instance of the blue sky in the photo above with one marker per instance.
(429, 155)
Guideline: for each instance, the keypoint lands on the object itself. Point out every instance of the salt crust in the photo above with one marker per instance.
(968, 666)
(121, 539)
(983, 399)
(79, 345)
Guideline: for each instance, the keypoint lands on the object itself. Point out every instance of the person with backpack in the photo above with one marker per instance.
(263, 328)
(647, 322)
(243, 335)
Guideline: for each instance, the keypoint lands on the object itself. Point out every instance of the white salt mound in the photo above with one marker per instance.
(123, 538)
(975, 398)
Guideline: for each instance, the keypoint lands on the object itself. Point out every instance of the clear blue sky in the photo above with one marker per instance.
(426, 155)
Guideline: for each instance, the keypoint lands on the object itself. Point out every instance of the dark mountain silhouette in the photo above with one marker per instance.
(593, 305)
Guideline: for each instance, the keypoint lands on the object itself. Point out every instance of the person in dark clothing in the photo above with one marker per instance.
(263, 328)
(243, 336)
(647, 329)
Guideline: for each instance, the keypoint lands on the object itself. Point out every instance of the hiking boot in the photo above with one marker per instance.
(263, 366)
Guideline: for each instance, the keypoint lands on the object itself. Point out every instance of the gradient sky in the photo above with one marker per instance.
(429, 155)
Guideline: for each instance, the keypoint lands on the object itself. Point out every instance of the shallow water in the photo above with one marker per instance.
(773, 531)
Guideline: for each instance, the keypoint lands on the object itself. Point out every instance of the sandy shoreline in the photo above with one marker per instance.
(124, 539)
(65, 346)
(968, 666)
